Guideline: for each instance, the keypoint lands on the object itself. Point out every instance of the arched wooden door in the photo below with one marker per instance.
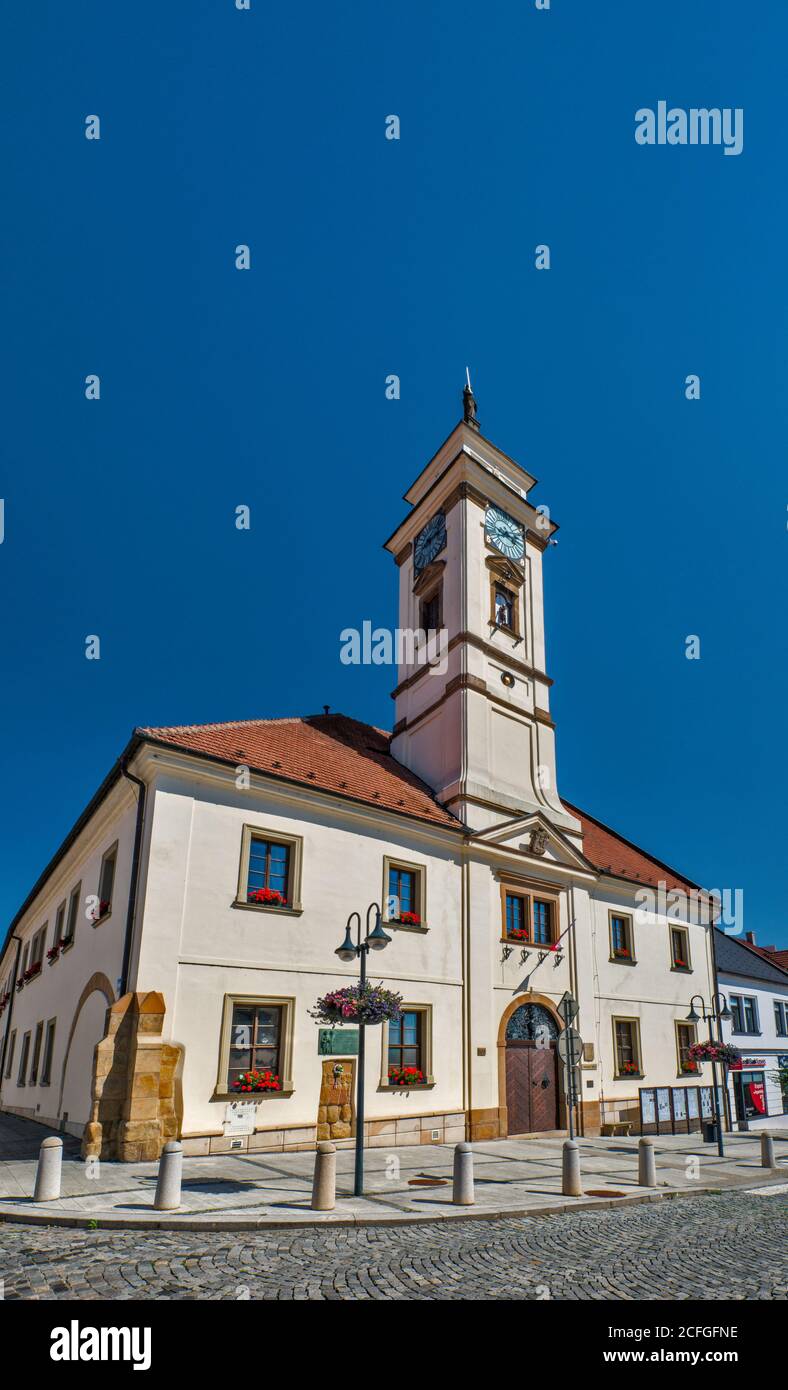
(531, 1071)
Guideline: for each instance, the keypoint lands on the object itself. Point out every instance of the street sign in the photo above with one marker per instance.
(568, 1008)
(570, 1035)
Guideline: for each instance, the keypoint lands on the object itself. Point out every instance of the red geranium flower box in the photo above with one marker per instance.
(405, 1076)
(254, 1082)
(267, 897)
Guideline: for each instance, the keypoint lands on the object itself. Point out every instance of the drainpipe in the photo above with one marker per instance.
(726, 1119)
(7, 1033)
(135, 874)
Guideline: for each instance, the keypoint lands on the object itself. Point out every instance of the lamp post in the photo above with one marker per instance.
(717, 1010)
(374, 940)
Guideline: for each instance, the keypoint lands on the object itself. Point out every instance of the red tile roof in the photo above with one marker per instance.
(612, 854)
(769, 953)
(337, 754)
(331, 752)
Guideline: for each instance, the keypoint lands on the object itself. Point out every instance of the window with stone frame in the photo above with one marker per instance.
(627, 1047)
(686, 1037)
(255, 1040)
(73, 913)
(106, 883)
(679, 948)
(49, 1050)
(406, 1048)
(621, 938)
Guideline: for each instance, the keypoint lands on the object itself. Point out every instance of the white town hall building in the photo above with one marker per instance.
(189, 921)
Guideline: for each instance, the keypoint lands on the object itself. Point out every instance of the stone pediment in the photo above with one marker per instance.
(538, 841)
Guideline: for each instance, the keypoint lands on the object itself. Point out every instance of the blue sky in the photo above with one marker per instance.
(369, 257)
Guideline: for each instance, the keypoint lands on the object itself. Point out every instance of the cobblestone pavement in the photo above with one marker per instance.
(728, 1246)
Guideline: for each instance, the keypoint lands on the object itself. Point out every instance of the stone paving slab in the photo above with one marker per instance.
(512, 1177)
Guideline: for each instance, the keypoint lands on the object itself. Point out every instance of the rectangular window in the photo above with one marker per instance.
(36, 1053)
(527, 917)
(543, 922)
(11, 1045)
(106, 883)
(23, 1056)
(517, 917)
(685, 1037)
(37, 950)
(781, 1018)
(255, 1040)
(270, 875)
(621, 937)
(404, 893)
(431, 611)
(60, 924)
(745, 1014)
(627, 1042)
(736, 1021)
(679, 949)
(49, 1049)
(73, 911)
(405, 1048)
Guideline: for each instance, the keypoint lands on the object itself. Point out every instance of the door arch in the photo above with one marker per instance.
(528, 1066)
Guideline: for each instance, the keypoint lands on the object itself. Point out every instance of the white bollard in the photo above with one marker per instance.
(647, 1167)
(168, 1184)
(767, 1151)
(48, 1173)
(462, 1190)
(571, 1186)
(324, 1183)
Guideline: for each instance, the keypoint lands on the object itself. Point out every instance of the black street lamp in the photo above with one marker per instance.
(717, 1011)
(374, 940)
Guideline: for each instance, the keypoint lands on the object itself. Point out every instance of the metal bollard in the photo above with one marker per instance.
(324, 1183)
(462, 1190)
(168, 1183)
(48, 1172)
(767, 1151)
(647, 1167)
(571, 1185)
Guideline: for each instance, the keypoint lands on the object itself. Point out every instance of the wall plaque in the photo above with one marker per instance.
(337, 1042)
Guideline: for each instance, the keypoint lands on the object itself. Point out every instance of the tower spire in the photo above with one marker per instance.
(469, 403)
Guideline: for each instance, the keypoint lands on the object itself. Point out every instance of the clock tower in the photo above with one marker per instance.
(472, 714)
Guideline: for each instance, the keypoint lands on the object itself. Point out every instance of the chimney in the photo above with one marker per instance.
(749, 937)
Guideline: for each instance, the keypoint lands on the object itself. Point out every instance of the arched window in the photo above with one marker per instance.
(525, 1021)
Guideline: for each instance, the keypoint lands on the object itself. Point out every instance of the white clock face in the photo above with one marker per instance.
(505, 533)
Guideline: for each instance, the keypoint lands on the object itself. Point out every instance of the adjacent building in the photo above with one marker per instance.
(185, 928)
(756, 990)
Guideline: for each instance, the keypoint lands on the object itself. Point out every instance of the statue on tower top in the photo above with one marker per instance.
(469, 403)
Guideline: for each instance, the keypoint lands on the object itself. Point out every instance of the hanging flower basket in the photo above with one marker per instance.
(370, 1004)
(715, 1052)
(405, 1076)
(253, 1082)
(267, 897)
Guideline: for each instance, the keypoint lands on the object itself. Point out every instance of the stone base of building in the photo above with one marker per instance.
(134, 1109)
